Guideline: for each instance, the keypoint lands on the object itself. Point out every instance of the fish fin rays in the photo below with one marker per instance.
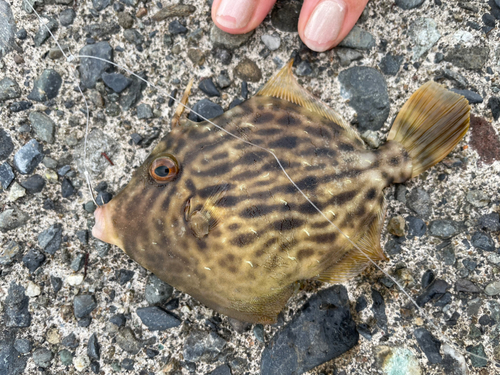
(355, 261)
(284, 86)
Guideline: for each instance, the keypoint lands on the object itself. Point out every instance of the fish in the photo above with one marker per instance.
(211, 211)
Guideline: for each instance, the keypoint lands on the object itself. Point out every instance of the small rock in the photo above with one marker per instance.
(378, 308)
(247, 70)
(478, 350)
(157, 319)
(483, 241)
(396, 360)
(116, 81)
(490, 222)
(74, 279)
(6, 175)
(477, 198)
(33, 259)
(23, 346)
(9, 252)
(67, 16)
(77, 262)
(472, 58)
(127, 340)
(223, 80)
(221, 370)
(118, 320)
(33, 184)
(285, 17)
(208, 87)
(32, 289)
(223, 55)
(81, 362)
(8, 33)
(27, 158)
(100, 4)
(416, 227)
(9, 89)
(371, 138)
(492, 289)
(420, 202)
(176, 28)
(70, 341)
(12, 218)
(66, 357)
(429, 345)
(453, 361)
(272, 42)
(157, 292)
(258, 331)
(144, 111)
(43, 34)
(409, 4)
(494, 105)
(42, 357)
(133, 37)
(83, 305)
(43, 126)
(16, 305)
(358, 38)
(67, 188)
(396, 226)
(444, 229)
(16, 191)
(466, 286)
(128, 364)
(390, 64)
(205, 108)
(92, 69)
(220, 38)
(304, 69)
(56, 283)
(83, 236)
(177, 10)
(50, 239)
(424, 34)
(6, 146)
(202, 346)
(46, 87)
(124, 276)
(347, 55)
(93, 347)
(196, 56)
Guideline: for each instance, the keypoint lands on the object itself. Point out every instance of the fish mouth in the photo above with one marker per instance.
(103, 228)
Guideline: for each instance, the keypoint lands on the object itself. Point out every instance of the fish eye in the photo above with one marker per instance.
(164, 168)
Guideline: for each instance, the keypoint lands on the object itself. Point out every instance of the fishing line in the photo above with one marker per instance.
(420, 310)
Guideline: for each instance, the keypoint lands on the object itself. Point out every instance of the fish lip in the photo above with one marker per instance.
(103, 228)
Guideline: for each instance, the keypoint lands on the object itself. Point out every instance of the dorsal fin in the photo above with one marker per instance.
(284, 86)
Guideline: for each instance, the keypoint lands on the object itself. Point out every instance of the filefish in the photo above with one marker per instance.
(212, 212)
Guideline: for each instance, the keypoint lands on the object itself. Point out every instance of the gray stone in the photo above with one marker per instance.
(220, 38)
(50, 239)
(490, 222)
(471, 96)
(477, 198)
(66, 357)
(466, 286)
(46, 86)
(70, 341)
(358, 38)
(6, 145)
(42, 357)
(16, 312)
(409, 4)
(272, 42)
(492, 289)
(116, 81)
(429, 345)
(102, 30)
(347, 55)
(221, 370)
(420, 202)
(144, 111)
(424, 34)
(33, 259)
(133, 36)
(100, 4)
(33, 184)
(92, 69)
(157, 319)
(483, 241)
(7, 29)
(205, 108)
(390, 64)
(304, 69)
(78, 262)
(23, 346)
(93, 348)
(12, 218)
(134, 93)
(83, 305)
(444, 229)
(472, 58)
(479, 351)
(157, 292)
(27, 158)
(6, 175)
(43, 30)
(203, 346)
(223, 80)
(9, 89)
(248, 70)
(43, 126)
(127, 340)
(9, 252)
(67, 16)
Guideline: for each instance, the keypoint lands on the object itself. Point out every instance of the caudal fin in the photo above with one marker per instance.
(430, 125)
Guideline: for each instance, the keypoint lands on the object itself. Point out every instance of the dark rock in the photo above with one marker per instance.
(7, 32)
(85, 322)
(134, 93)
(50, 239)
(9, 253)
(91, 69)
(420, 202)
(12, 218)
(429, 345)
(416, 227)
(479, 351)
(490, 222)
(118, 320)
(70, 341)
(11, 363)
(378, 308)
(116, 81)
(358, 38)
(93, 348)
(367, 93)
(16, 312)
(128, 364)
(347, 55)
(127, 340)
(27, 158)
(483, 241)
(102, 30)
(322, 330)
(83, 236)
(222, 39)
(20, 106)
(488, 20)
(446, 253)
(258, 332)
(144, 111)
(466, 286)
(444, 229)
(9, 89)
(390, 64)
(78, 262)
(157, 292)
(43, 126)
(33, 259)
(223, 80)
(202, 346)
(67, 188)
(33, 184)
(124, 276)
(471, 96)
(208, 87)
(83, 305)
(177, 10)
(103, 197)
(484, 140)
(157, 319)
(66, 357)
(67, 16)
(494, 105)
(176, 28)
(472, 58)
(43, 31)
(409, 4)
(221, 370)
(361, 303)
(6, 145)
(427, 278)
(133, 36)
(56, 283)
(223, 55)
(285, 16)
(151, 353)
(433, 292)
(100, 4)
(42, 357)
(304, 69)
(46, 87)
(23, 346)
(247, 70)
(6, 175)
(205, 108)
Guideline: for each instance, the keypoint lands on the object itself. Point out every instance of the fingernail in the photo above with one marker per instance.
(235, 14)
(324, 24)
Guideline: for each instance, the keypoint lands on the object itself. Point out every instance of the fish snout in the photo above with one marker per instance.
(103, 228)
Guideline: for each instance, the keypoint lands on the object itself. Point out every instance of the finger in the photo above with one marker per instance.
(324, 23)
(240, 16)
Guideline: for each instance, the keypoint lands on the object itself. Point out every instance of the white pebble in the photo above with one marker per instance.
(81, 362)
(75, 279)
(494, 258)
(33, 290)
(16, 192)
(463, 36)
(272, 42)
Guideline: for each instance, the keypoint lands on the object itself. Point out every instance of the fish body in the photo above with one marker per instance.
(215, 216)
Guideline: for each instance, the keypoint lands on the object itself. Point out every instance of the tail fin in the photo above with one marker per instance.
(430, 125)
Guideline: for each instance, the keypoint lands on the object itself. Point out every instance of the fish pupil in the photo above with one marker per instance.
(162, 171)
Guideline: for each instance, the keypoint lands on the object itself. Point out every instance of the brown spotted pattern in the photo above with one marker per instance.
(266, 236)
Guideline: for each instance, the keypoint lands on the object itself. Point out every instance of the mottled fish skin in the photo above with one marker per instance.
(267, 237)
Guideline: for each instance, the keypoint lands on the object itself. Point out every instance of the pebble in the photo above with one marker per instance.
(371, 138)
(78, 262)
(8, 31)
(177, 10)
(33, 184)
(358, 38)
(127, 340)
(394, 360)
(46, 87)
(43, 126)
(51, 176)
(124, 276)
(133, 37)
(128, 364)
(176, 28)
(102, 248)
(74, 279)
(247, 70)
(32, 289)
(223, 80)
(100, 4)
(416, 227)
(42, 357)
(220, 38)
(93, 347)
(424, 34)
(492, 289)
(43, 34)
(223, 55)
(272, 42)
(196, 56)
(396, 226)
(258, 331)
(16, 191)
(91, 69)
(203, 346)
(494, 105)
(347, 55)
(444, 229)
(9, 89)
(463, 36)
(433, 292)
(490, 222)
(471, 96)
(420, 202)
(330, 331)
(453, 361)
(118, 320)
(6, 175)
(221, 370)
(83, 236)
(478, 350)
(67, 188)
(67, 16)
(33, 259)
(70, 341)
(23, 346)
(116, 81)
(483, 241)
(304, 69)
(390, 64)
(157, 319)
(477, 198)
(27, 158)
(429, 345)
(372, 109)
(133, 94)
(20, 106)
(66, 357)
(103, 197)
(81, 362)
(83, 305)
(56, 283)
(466, 286)
(207, 109)
(16, 307)
(208, 87)
(409, 4)
(285, 17)
(157, 292)
(144, 111)
(472, 58)
(12, 218)
(50, 239)
(9, 252)
(125, 20)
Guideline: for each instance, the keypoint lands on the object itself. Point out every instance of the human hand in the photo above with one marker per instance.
(322, 23)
